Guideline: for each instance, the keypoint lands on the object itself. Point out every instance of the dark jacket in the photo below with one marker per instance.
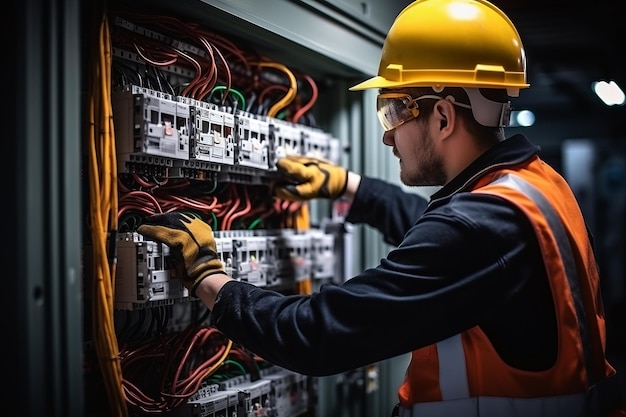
(463, 259)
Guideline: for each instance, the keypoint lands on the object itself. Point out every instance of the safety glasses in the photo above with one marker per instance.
(395, 109)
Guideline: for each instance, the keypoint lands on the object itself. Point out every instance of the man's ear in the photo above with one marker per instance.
(444, 112)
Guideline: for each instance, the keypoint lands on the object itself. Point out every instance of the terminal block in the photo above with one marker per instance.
(251, 258)
(286, 139)
(225, 251)
(214, 133)
(316, 143)
(206, 390)
(217, 404)
(145, 276)
(253, 141)
(149, 123)
(254, 399)
(289, 393)
(322, 254)
(253, 396)
(274, 280)
(294, 258)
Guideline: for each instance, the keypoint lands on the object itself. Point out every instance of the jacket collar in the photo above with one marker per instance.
(507, 153)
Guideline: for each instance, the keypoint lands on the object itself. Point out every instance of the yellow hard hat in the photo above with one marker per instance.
(454, 43)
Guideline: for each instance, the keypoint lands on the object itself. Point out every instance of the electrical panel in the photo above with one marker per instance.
(200, 122)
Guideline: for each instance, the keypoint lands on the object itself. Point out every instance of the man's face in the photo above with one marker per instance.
(408, 133)
(420, 162)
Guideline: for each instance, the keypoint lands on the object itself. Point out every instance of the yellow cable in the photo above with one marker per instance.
(305, 286)
(291, 92)
(302, 222)
(103, 217)
(219, 362)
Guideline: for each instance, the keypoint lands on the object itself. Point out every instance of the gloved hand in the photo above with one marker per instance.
(190, 239)
(305, 178)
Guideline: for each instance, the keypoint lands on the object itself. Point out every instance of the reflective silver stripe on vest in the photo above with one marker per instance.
(452, 369)
(558, 406)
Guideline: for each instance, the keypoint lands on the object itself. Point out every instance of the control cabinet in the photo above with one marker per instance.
(164, 138)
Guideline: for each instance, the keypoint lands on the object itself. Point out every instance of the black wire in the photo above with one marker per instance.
(127, 321)
(153, 320)
(128, 74)
(157, 77)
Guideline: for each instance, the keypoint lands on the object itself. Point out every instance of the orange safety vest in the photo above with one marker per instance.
(464, 376)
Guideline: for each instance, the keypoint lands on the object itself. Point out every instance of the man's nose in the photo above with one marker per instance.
(388, 137)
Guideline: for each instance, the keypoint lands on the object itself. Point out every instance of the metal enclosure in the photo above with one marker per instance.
(43, 305)
(338, 41)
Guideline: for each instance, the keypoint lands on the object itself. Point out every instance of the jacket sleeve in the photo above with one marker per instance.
(387, 208)
(455, 268)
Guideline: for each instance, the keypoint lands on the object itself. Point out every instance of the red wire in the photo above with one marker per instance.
(242, 212)
(191, 354)
(314, 94)
(235, 201)
(207, 90)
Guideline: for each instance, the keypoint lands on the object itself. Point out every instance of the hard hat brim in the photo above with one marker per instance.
(374, 82)
(381, 82)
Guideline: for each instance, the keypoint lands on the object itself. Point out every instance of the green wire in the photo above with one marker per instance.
(197, 216)
(214, 187)
(193, 214)
(230, 90)
(255, 223)
(214, 221)
(237, 365)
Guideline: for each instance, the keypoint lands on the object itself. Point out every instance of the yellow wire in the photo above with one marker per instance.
(302, 222)
(305, 286)
(291, 92)
(103, 217)
(218, 363)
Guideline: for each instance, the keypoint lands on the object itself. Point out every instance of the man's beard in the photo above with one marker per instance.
(430, 168)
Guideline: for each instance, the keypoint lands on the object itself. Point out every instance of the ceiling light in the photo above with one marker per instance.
(609, 93)
(522, 118)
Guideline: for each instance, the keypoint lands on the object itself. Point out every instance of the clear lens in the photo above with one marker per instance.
(394, 109)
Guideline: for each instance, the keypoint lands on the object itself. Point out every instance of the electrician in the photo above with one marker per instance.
(492, 286)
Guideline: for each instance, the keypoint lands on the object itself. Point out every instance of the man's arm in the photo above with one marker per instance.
(208, 288)
(354, 180)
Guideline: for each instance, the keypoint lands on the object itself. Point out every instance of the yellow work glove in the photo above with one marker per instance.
(189, 239)
(304, 178)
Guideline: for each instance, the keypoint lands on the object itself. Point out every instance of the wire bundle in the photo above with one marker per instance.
(226, 207)
(224, 73)
(103, 221)
(240, 362)
(162, 373)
